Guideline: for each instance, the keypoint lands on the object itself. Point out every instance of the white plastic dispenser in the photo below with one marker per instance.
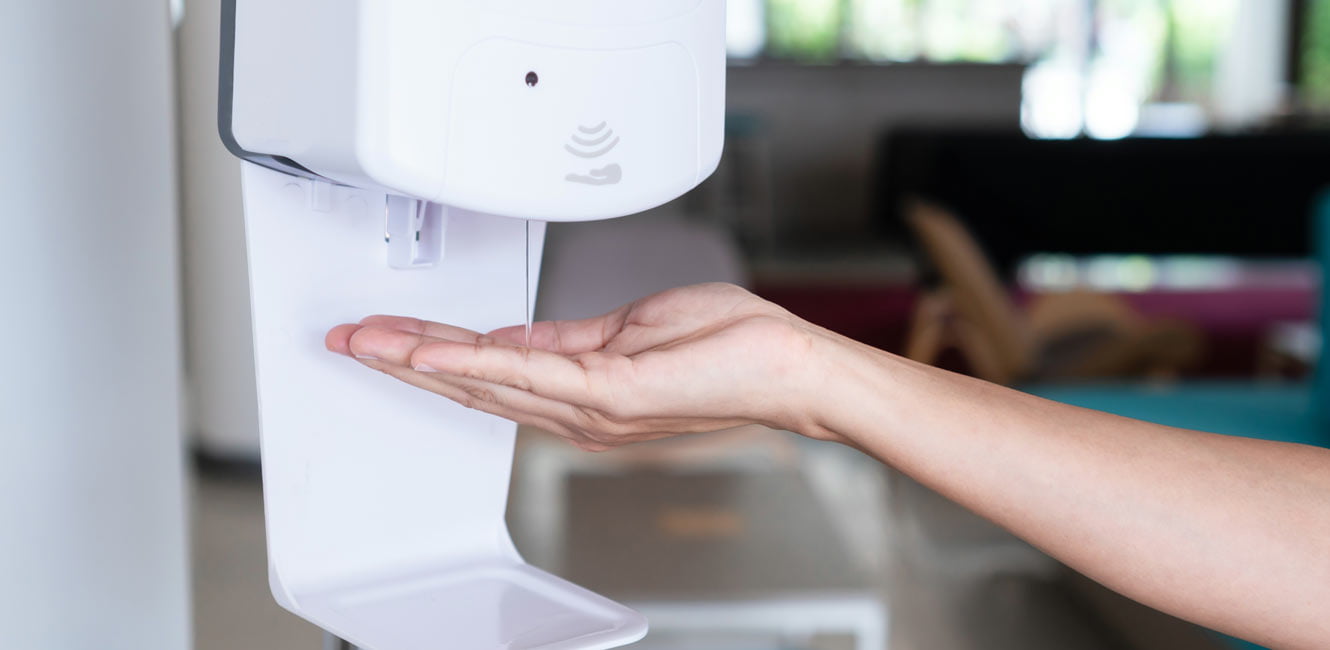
(382, 140)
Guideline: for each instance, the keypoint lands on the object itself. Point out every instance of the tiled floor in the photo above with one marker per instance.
(954, 582)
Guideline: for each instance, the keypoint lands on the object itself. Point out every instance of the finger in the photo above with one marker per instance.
(424, 327)
(547, 374)
(568, 336)
(502, 383)
(638, 429)
(385, 349)
(471, 397)
(501, 401)
(584, 421)
(583, 427)
(389, 345)
(527, 408)
(339, 339)
(553, 413)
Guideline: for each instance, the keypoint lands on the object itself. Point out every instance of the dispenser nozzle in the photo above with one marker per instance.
(413, 231)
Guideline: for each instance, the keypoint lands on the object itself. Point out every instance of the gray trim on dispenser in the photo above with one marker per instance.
(226, 100)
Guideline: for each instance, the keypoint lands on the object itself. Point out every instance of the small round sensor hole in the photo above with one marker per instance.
(532, 79)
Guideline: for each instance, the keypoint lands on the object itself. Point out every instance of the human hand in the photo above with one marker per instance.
(688, 360)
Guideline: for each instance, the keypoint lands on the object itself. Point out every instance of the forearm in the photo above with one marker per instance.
(1228, 532)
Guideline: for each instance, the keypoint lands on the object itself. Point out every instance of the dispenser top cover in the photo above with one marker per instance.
(560, 111)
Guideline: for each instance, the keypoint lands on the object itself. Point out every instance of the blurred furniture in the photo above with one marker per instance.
(1291, 412)
(1063, 335)
(873, 303)
(720, 552)
(1286, 412)
(1290, 348)
(93, 488)
(1242, 196)
(538, 508)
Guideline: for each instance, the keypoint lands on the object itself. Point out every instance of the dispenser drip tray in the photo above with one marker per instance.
(494, 605)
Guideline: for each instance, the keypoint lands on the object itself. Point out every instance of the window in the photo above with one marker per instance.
(898, 30)
(1095, 64)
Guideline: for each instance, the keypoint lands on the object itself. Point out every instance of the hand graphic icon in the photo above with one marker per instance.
(608, 175)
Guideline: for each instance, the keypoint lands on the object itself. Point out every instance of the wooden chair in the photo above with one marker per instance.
(1073, 335)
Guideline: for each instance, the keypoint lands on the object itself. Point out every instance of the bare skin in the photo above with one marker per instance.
(1230, 533)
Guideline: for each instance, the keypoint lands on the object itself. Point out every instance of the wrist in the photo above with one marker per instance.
(858, 395)
(838, 368)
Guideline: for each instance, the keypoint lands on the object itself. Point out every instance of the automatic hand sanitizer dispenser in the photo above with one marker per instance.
(392, 148)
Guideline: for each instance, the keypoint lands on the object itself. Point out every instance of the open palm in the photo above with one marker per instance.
(688, 360)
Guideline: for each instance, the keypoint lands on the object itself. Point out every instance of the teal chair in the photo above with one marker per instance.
(1297, 413)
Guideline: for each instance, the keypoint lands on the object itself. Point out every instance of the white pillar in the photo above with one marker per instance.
(92, 497)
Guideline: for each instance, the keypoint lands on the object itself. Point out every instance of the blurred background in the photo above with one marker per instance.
(1113, 203)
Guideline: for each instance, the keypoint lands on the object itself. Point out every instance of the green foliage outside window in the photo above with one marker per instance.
(1172, 46)
(890, 30)
(884, 30)
(966, 30)
(805, 30)
(1199, 29)
(1316, 55)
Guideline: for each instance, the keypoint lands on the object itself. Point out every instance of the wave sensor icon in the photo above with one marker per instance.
(592, 142)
